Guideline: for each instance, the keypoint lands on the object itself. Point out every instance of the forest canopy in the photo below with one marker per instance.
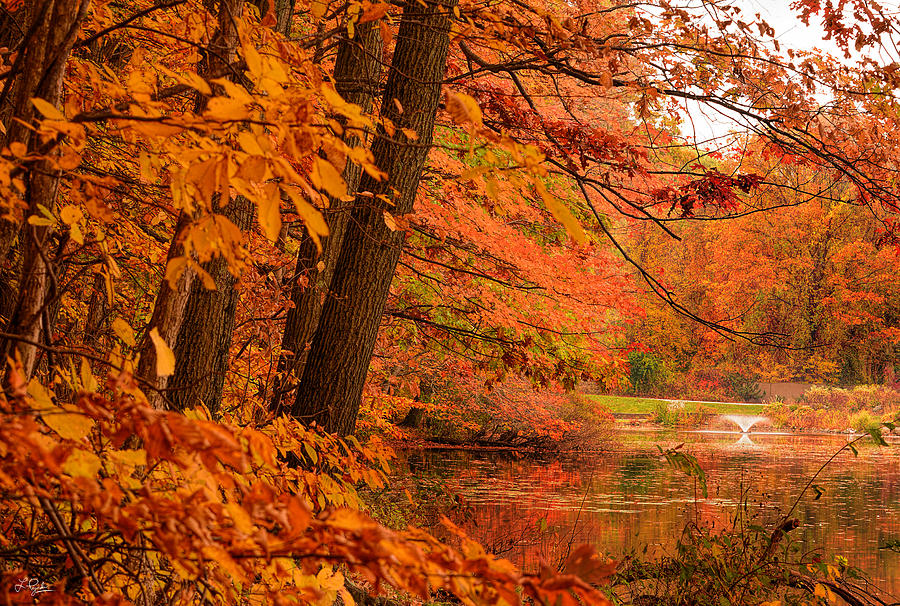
(239, 239)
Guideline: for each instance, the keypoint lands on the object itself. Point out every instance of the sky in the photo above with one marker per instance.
(790, 33)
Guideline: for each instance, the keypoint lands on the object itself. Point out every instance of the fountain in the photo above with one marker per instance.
(745, 422)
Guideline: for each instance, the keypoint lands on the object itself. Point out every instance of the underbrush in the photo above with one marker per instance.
(650, 376)
(751, 560)
(679, 414)
(836, 409)
(510, 414)
(747, 563)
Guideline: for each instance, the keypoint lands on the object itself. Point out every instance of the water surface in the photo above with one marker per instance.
(529, 508)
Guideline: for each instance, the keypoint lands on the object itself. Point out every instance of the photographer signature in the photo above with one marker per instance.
(36, 586)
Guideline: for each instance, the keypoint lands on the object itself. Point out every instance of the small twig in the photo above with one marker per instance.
(816, 475)
(75, 552)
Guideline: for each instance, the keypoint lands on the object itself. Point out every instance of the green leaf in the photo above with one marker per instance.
(875, 432)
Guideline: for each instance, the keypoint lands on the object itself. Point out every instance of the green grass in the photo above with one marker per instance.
(623, 404)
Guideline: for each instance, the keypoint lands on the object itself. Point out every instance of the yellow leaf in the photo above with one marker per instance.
(348, 599)
(311, 216)
(208, 282)
(325, 176)
(389, 221)
(155, 129)
(129, 458)
(241, 518)
(174, 268)
(71, 214)
(75, 233)
(40, 395)
(252, 170)
(234, 90)
(69, 160)
(270, 214)
(254, 61)
(82, 464)
(88, 382)
(561, 213)
(195, 80)
(40, 221)
(123, 331)
(249, 143)
(47, 109)
(69, 425)
(165, 357)
(376, 11)
(225, 109)
(18, 149)
(317, 9)
(463, 108)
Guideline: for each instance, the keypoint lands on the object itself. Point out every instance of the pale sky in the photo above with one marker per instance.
(790, 33)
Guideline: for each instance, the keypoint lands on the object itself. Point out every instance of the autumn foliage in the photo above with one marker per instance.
(227, 225)
(215, 511)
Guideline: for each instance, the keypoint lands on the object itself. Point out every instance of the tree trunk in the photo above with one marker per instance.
(204, 339)
(284, 13)
(168, 315)
(52, 27)
(357, 72)
(98, 310)
(194, 322)
(339, 356)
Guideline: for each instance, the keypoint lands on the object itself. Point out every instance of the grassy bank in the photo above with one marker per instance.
(628, 405)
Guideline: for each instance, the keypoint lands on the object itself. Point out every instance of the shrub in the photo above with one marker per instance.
(833, 408)
(744, 389)
(676, 414)
(863, 421)
(664, 414)
(647, 372)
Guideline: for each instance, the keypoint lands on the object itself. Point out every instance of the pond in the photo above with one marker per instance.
(528, 508)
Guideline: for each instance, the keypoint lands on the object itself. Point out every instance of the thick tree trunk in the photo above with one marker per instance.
(52, 28)
(194, 322)
(341, 349)
(167, 318)
(357, 72)
(204, 339)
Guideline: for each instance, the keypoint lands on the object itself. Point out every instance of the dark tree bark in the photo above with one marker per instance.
(52, 27)
(204, 338)
(341, 349)
(98, 310)
(284, 13)
(195, 322)
(357, 73)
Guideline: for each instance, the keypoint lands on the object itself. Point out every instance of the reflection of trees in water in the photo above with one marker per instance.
(528, 510)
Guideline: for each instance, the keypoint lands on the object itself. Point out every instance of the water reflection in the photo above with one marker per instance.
(744, 441)
(528, 509)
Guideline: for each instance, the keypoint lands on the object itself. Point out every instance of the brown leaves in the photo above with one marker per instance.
(374, 12)
(463, 109)
(585, 563)
(205, 498)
